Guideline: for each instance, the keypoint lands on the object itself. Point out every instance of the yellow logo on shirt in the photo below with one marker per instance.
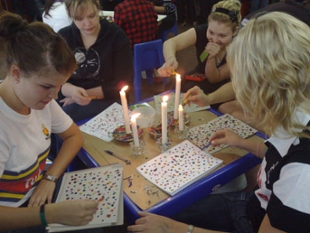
(45, 131)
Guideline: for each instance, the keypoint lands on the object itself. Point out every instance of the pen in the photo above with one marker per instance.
(206, 146)
(93, 97)
(118, 156)
(186, 100)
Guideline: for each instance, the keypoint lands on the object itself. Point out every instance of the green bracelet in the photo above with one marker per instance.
(42, 216)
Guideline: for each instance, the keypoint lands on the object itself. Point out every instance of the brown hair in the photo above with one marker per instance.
(34, 47)
(73, 5)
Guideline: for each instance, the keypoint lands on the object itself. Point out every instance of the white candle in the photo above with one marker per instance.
(177, 95)
(181, 118)
(135, 129)
(125, 109)
(164, 120)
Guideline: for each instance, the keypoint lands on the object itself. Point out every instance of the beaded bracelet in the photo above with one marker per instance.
(42, 216)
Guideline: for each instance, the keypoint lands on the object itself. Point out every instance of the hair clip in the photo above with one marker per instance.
(233, 15)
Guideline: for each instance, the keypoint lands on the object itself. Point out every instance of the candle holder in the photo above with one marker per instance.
(163, 147)
(137, 150)
(182, 134)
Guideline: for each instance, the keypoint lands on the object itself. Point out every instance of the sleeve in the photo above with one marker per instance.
(60, 120)
(290, 199)
(4, 149)
(122, 66)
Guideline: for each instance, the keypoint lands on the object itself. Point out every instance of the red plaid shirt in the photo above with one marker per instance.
(138, 19)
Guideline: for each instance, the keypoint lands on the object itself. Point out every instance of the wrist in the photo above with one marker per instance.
(169, 57)
(42, 215)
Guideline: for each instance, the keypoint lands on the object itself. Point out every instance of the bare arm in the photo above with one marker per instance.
(151, 223)
(72, 142)
(75, 213)
(223, 94)
(216, 74)
(171, 46)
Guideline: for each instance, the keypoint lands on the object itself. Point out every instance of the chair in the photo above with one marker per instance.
(147, 56)
(164, 34)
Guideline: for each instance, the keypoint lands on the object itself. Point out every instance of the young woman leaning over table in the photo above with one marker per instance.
(38, 63)
(226, 94)
(271, 84)
(212, 38)
(105, 64)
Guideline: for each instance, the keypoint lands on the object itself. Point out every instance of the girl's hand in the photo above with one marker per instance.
(168, 67)
(226, 137)
(213, 49)
(197, 96)
(43, 193)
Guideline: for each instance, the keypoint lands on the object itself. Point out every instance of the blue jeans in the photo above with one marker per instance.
(78, 112)
(221, 212)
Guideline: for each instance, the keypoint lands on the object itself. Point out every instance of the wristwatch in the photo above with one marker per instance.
(50, 178)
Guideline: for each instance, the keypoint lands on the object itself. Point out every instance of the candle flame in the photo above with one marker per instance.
(124, 88)
(180, 107)
(178, 77)
(165, 98)
(134, 116)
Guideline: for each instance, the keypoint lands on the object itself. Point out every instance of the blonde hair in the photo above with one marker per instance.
(270, 65)
(77, 7)
(234, 6)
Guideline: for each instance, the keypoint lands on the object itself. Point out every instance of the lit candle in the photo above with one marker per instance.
(125, 109)
(164, 119)
(181, 118)
(135, 129)
(177, 95)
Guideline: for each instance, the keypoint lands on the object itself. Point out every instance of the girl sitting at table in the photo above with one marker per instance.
(37, 62)
(212, 39)
(272, 85)
(105, 63)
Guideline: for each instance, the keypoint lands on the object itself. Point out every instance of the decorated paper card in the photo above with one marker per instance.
(177, 168)
(201, 134)
(103, 184)
(192, 108)
(103, 125)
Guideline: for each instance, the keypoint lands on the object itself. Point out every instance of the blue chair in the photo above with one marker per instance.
(164, 34)
(147, 56)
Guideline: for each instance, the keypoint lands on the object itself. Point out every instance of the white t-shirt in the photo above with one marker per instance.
(58, 17)
(24, 145)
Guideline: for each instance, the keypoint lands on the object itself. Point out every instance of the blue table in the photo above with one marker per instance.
(193, 193)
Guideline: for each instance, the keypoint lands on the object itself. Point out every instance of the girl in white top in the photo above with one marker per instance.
(55, 14)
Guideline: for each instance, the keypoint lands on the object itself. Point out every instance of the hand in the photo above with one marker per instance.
(43, 193)
(152, 223)
(213, 49)
(197, 96)
(226, 137)
(168, 67)
(78, 95)
(73, 213)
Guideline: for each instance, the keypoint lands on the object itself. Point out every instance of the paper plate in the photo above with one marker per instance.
(119, 134)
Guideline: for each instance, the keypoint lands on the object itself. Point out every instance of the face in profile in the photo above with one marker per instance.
(220, 33)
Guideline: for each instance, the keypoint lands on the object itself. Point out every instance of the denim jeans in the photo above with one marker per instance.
(221, 212)
(78, 112)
